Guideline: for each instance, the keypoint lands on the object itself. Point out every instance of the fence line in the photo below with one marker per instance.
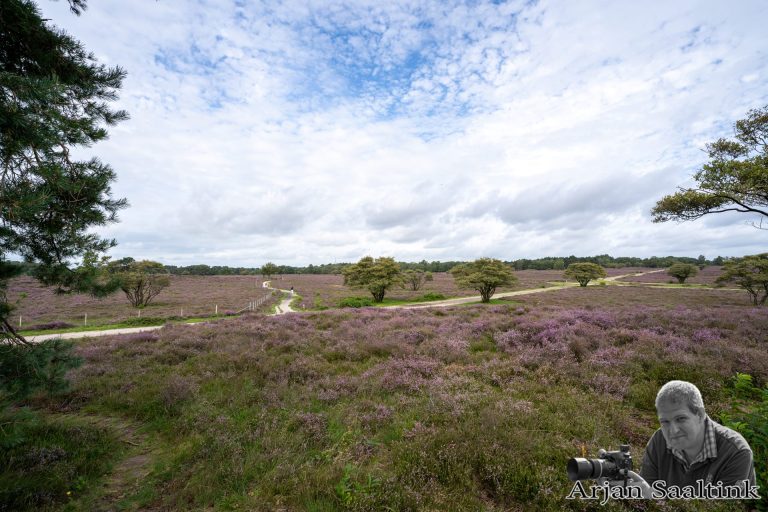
(252, 305)
(256, 304)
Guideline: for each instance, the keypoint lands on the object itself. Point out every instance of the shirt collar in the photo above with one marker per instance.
(709, 450)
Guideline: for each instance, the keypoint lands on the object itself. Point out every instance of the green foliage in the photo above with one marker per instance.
(53, 99)
(351, 490)
(355, 302)
(414, 279)
(682, 271)
(483, 275)
(140, 321)
(25, 369)
(430, 296)
(377, 276)
(749, 273)
(268, 270)
(734, 179)
(584, 272)
(750, 419)
(141, 281)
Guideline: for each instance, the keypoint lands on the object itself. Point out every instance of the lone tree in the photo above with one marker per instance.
(53, 98)
(415, 279)
(268, 270)
(734, 180)
(376, 276)
(750, 273)
(141, 281)
(483, 275)
(584, 272)
(682, 271)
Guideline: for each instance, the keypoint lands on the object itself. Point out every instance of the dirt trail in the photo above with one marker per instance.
(128, 473)
(285, 305)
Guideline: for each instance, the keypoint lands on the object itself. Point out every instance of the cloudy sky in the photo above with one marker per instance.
(317, 131)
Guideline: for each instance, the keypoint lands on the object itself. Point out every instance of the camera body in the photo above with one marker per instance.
(611, 465)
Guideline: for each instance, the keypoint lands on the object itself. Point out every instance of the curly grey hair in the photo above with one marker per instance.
(681, 392)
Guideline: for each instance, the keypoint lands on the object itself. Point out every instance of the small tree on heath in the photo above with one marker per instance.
(141, 281)
(376, 276)
(483, 275)
(749, 273)
(415, 279)
(682, 271)
(268, 270)
(584, 272)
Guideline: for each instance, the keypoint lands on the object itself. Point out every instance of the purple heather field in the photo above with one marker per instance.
(199, 295)
(473, 407)
(195, 295)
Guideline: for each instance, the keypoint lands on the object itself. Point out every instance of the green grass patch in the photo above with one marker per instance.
(356, 302)
(296, 302)
(47, 462)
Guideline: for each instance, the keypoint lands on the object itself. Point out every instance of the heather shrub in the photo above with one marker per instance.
(49, 326)
(176, 390)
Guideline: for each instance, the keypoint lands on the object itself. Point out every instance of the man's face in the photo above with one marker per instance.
(682, 429)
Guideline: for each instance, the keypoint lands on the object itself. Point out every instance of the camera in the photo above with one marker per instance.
(610, 465)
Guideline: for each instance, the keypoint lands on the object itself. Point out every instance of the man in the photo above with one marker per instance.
(690, 447)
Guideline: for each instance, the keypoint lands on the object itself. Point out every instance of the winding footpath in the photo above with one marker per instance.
(284, 307)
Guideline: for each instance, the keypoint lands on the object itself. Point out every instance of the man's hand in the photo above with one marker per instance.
(633, 480)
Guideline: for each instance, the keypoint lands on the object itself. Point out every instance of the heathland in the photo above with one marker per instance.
(473, 407)
(203, 296)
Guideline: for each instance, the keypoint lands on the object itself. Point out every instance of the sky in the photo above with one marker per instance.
(303, 132)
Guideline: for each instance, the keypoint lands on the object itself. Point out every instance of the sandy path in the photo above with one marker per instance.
(285, 305)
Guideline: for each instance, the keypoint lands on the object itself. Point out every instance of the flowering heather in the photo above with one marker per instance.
(464, 408)
(195, 295)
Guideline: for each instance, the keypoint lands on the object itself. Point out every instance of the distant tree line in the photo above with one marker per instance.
(206, 270)
(604, 260)
(548, 263)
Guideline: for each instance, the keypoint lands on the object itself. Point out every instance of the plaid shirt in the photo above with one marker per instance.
(709, 451)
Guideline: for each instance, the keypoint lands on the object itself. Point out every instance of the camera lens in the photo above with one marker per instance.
(579, 469)
(589, 469)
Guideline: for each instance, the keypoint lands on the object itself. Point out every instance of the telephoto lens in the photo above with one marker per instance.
(590, 469)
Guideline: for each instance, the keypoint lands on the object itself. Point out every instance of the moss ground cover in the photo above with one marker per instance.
(466, 408)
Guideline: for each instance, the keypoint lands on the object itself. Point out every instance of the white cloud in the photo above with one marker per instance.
(307, 132)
